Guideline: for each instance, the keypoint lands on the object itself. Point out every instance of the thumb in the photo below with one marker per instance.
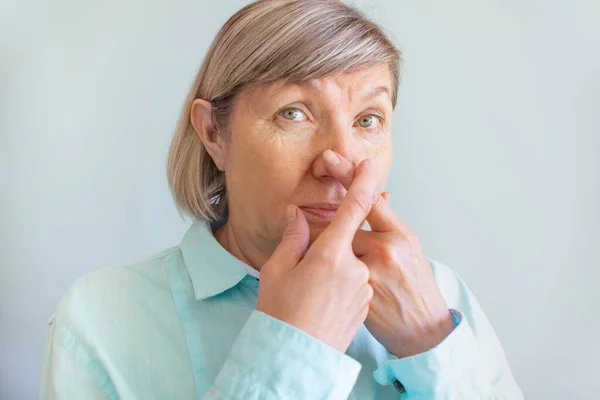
(295, 238)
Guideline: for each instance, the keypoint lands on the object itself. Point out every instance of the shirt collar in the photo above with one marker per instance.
(212, 268)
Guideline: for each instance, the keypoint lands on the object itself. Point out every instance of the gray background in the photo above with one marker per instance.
(496, 144)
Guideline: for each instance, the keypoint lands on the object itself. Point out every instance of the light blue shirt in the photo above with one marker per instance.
(183, 324)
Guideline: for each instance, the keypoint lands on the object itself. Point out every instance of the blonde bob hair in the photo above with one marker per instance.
(264, 42)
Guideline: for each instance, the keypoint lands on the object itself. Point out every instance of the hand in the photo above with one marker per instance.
(408, 314)
(324, 291)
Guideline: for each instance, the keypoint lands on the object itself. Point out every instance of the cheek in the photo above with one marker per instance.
(267, 166)
(382, 157)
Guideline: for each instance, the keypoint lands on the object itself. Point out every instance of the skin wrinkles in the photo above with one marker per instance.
(272, 161)
(380, 277)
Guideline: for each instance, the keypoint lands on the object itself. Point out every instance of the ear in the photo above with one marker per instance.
(200, 117)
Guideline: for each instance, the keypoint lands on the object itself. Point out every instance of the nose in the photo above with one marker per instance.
(339, 139)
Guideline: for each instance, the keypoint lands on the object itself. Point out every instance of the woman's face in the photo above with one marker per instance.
(278, 136)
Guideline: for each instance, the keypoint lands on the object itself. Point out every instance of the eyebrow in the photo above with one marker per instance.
(369, 95)
(376, 91)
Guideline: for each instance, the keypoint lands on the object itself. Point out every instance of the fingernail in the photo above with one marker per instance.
(331, 157)
(386, 195)
(290, 213)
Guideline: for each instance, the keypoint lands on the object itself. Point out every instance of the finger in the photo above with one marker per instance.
(405, 229)
(295, 239)
(386, 196)
(340, 167)
(382, 216)
(363, 242)
(354, 208)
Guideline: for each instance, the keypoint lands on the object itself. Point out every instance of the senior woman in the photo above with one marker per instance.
(276, 290)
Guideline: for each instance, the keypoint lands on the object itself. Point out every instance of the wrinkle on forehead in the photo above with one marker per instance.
(342, 90)
(351, 85)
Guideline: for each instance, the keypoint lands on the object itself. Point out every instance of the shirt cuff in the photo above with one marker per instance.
(436, 370)
(273, 359)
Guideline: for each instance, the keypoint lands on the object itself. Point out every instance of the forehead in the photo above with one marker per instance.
(379, 73)
(354, 85)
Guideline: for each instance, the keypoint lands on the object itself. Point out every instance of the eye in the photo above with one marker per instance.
(293, 114)
(369, 121)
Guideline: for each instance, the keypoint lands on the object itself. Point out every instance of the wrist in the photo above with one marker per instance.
(426, 340)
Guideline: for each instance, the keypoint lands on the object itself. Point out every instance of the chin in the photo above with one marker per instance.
(315, 230)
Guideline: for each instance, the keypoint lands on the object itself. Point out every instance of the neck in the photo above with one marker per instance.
(241, 245)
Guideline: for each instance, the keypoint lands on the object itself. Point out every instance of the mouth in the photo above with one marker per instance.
(320, 213)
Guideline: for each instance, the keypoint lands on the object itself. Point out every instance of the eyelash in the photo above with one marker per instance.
(378, 117)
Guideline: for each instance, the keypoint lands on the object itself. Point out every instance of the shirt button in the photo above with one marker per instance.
(399, 387)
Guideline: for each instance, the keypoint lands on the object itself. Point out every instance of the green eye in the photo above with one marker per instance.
(292, 114)
(368, 121)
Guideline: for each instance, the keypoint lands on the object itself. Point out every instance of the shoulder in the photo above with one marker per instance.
(106, 293)
(111, 318)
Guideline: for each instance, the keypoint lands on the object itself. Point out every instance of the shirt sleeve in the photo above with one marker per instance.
(469, 364)
(68, 372)
(271, 359)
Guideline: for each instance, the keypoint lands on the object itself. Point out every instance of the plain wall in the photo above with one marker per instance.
(496, 138)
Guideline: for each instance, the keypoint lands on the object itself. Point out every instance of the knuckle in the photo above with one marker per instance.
(360, 201)
(416, 242)
(412, 239)
(387, 252)
(293, 236)
(402, 236)
(294, 233)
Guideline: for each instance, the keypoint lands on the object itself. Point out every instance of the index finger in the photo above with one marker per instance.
(355, 207)
(382, 217)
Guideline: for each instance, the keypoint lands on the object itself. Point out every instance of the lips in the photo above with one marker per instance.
(320, 212)
(322, 206)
